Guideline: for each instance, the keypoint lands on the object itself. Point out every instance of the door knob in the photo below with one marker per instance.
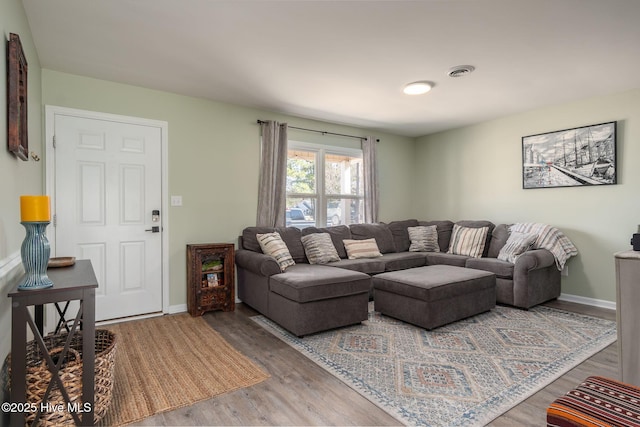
(154, 229)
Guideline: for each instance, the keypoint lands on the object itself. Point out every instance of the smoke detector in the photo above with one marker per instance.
(460, 70)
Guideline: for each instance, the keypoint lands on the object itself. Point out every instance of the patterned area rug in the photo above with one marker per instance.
(464, 374)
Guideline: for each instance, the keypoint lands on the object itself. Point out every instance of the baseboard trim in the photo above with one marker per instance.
(178, 308)
(611, 305)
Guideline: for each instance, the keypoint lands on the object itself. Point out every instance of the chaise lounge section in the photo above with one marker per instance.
(307, 298)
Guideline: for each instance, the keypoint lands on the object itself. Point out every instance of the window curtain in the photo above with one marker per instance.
(273, 175)
(370, 172)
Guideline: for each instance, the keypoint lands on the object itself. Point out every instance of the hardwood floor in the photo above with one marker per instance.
(300, 392)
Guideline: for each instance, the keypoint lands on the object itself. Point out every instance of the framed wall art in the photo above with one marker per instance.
(570, 158)
(17, 137)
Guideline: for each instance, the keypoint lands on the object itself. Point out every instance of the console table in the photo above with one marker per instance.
(628, 315)
(77, 282)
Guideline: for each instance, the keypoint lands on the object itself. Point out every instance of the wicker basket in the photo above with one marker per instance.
(38, 377)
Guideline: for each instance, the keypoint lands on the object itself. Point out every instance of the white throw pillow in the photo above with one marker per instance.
(367, 248)
(423, 238)
(517, 244)
(319, 248)
(273, 245)
(468, 241)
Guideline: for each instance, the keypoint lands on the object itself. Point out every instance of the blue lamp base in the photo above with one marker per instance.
(35, 252)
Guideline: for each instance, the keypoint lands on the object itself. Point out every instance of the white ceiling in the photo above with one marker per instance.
(347, 61)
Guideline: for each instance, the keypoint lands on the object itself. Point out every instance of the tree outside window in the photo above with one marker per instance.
(324, 186)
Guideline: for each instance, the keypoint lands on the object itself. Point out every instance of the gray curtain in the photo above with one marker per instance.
(273, 175)
(369, 166)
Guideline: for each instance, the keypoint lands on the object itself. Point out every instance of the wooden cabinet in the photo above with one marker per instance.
(628, 315)
(210, 278)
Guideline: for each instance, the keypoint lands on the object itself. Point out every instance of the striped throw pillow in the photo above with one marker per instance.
(366, 248)
(319, 248)
(423, 238)
(468, 241)
(517, 244)
(273, 245)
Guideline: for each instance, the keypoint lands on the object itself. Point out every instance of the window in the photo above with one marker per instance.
(324, 186)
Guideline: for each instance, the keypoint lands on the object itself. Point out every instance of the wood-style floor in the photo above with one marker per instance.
(299, 392)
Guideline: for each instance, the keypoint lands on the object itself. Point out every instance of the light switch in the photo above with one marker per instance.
(176, 200)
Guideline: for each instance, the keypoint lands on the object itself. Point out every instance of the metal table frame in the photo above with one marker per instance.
(77, 282)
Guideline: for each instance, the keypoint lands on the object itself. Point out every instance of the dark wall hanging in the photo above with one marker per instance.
(570, 158)
(17, 98)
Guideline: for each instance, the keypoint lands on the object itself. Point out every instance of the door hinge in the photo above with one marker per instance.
(54, 141)
(55, 219)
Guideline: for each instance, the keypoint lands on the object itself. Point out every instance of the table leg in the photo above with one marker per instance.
(88, 353)
(39, 318)
(18, 360)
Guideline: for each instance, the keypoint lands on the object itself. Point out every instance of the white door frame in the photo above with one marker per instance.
(51, 111)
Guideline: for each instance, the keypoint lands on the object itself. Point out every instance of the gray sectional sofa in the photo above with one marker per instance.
(309, 298)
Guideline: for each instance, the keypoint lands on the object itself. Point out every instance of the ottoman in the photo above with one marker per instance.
(434, 295)
(310, 298)
(597, 402)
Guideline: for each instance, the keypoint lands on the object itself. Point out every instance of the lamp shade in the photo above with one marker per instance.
(35, 209)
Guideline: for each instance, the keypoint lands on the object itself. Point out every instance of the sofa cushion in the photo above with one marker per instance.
(366, 248)
(379, 231)
(501, 269)
(499, 237)
(272, 245)
(337, 233)
(444, 232)
(290, 235)
(480, 224)
(319, 248)
(468, 241)
(434, 283)
(363, 265)
(437, 258)
(399, 230)
(403, 260)
(304, 283)
(424, 238)
(517, 244)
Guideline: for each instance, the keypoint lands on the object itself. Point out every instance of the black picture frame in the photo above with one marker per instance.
(576, 157)
(18, 137)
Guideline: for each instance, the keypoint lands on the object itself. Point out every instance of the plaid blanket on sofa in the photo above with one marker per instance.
(549, 238)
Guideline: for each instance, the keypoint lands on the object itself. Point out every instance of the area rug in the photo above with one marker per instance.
(168, 362)
(464, 374)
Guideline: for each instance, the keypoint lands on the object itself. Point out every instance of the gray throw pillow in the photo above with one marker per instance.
(319, 248)
(423, 238)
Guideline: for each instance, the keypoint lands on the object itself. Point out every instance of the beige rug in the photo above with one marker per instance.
(168, 362)
(462, 374)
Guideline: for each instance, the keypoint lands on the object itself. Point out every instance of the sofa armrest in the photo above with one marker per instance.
(536, 278)
(257, 263)
(533, 260)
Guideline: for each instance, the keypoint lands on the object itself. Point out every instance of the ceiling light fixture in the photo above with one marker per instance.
(460, 70)
(418, 88)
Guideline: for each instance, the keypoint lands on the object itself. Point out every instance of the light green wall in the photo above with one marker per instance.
(16, 176)
(213, 158)
(475, 172)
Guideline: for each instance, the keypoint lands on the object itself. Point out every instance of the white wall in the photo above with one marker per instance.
(213, 158)
(16, 176)
(476, 173)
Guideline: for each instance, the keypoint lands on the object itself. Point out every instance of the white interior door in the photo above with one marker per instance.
(108, 182)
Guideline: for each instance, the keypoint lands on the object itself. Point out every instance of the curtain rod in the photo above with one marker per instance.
(323, 132)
